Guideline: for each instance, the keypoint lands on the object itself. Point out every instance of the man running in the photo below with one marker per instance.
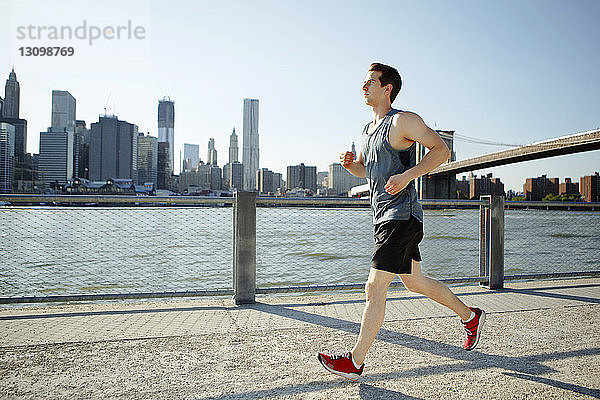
(387, 160)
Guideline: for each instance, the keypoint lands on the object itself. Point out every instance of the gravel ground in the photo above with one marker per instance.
(542, 354)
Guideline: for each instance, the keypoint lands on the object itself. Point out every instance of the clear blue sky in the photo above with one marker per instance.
(510, 71)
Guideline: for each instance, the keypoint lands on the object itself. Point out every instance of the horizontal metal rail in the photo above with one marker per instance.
(87, 199)
(114, 296)
(15, 199)
(344, 201)
(352, 286)
(271, 290)
(553, 204)
(202, 293)
(453, 203)
(551, 275)
(312, 201)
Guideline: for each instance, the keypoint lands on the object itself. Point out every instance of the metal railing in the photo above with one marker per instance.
(70, 248)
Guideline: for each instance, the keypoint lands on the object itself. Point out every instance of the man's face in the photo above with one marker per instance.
(373, 92)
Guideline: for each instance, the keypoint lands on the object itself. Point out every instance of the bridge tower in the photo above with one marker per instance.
(438, 186)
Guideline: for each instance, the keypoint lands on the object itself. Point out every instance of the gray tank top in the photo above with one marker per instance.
(381, 162)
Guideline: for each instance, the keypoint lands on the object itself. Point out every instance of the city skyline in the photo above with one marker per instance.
(495, 72)
(63, 121)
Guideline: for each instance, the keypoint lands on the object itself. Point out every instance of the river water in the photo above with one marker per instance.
(85, 250)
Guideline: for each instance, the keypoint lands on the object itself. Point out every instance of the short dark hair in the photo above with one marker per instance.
(389, 75)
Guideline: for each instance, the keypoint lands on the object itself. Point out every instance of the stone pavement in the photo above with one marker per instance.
(541, 341)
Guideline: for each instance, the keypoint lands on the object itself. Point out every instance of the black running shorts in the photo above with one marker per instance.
(396, 245)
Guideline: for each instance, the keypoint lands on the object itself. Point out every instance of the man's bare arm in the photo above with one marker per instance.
(356, 168)
(407, 128)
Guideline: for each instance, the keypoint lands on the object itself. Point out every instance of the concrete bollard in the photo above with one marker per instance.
(244, 247)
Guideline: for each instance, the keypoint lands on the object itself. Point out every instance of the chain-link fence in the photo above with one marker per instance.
(333, 246)
(551, 242)
(121, 249)
(108, 247)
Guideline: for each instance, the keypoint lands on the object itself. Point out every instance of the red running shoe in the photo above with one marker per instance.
(473, 328)
(341, 364)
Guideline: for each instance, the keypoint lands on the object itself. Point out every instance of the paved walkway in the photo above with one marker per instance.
(542, 340)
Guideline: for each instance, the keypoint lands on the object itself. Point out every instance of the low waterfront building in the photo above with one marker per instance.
(590, 188)
(485, 185)
(536, 189)
(462, 188)
(568, 187)
(80, 186)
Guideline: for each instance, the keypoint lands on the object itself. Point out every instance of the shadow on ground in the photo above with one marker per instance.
(521, 367)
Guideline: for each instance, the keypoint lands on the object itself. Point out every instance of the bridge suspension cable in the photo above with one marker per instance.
(471, 139)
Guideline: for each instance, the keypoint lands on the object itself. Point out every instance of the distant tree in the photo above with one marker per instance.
(563, 197)
(551, 197)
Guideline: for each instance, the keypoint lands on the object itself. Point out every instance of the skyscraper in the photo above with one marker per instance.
(63, 111)
(166, 126)
(233, 147)
(302, 177)
(113, 149)
(164, 167)
(7, 156)
(216, 176)
(63, 120)
(264, 181)
(278, 183)
(10, 114)
(56, 157)
(250, 154)
(212, 152)
(81, 152)
(57, 145)
(12, 93)
(191, 156)
(341, 180)
(147, 159)
(233, 175)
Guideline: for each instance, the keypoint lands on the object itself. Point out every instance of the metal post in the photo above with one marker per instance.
(497, 242)
(244, 247)
(491, 242)
(484, 240)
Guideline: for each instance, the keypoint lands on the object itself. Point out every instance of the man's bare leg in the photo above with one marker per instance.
(376, 290)
(435, 290)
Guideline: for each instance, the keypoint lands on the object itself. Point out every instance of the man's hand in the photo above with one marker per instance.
(396, 183)
(347, 159)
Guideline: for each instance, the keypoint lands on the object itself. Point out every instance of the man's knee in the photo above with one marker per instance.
(375, 289)
(413, 283)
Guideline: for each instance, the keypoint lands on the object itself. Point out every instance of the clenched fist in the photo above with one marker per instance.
(347, 159)
(396, 183)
